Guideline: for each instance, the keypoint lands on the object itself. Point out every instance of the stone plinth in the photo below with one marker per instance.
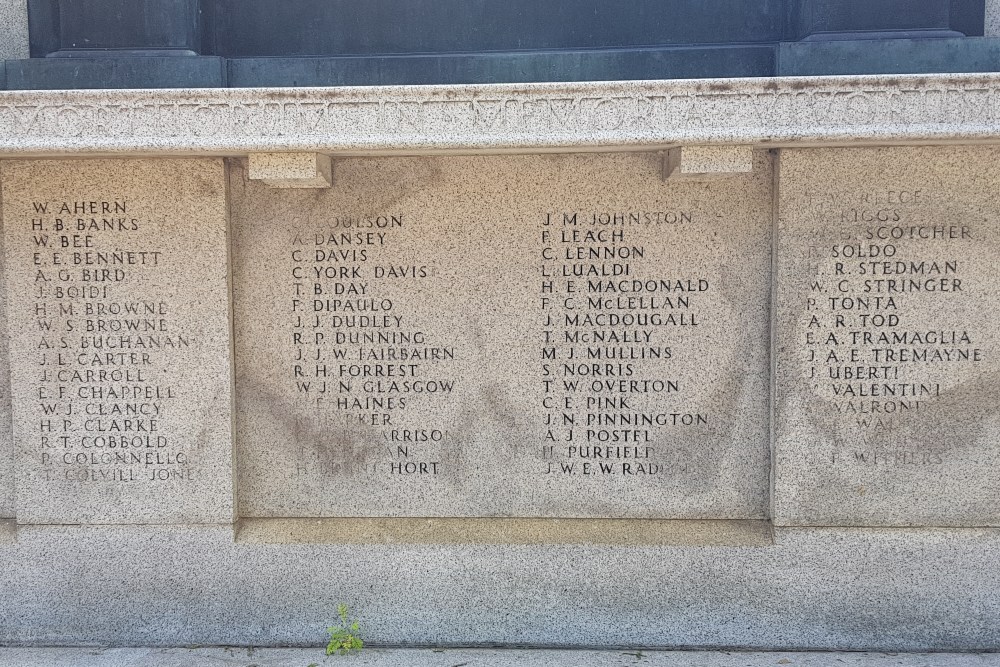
(117, 275)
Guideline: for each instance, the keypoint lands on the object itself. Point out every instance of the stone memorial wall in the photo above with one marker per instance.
(503, 365)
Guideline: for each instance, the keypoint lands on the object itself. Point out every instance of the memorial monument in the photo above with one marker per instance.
(636, 325)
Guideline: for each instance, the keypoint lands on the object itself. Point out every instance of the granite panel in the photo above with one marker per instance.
(888, 354)
(992, 18)
(117, 275)
(537, 336)
(14, 36)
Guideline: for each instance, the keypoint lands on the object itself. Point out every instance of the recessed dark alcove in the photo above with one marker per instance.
(123, 43)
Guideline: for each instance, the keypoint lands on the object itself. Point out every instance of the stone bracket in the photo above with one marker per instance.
(292, 170)
(704, 162)
(8, 531)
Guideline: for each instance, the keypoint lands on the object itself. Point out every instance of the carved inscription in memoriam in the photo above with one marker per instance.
(888, 352)
(516, 336)
(482, 117)
(119, 347)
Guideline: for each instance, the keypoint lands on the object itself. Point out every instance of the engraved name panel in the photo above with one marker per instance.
(120, 348)
(887, 348)
(503, 336)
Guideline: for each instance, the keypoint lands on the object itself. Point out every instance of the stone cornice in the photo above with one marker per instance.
(644, 115)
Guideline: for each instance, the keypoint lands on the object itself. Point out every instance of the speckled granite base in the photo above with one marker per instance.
(841, 589)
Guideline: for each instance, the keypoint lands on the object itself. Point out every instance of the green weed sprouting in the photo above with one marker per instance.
(344, 637)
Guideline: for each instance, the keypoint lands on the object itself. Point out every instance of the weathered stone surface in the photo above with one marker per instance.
(888, 352)
(117, 275)
(849, 589)
(404, 341)
(400, 657)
